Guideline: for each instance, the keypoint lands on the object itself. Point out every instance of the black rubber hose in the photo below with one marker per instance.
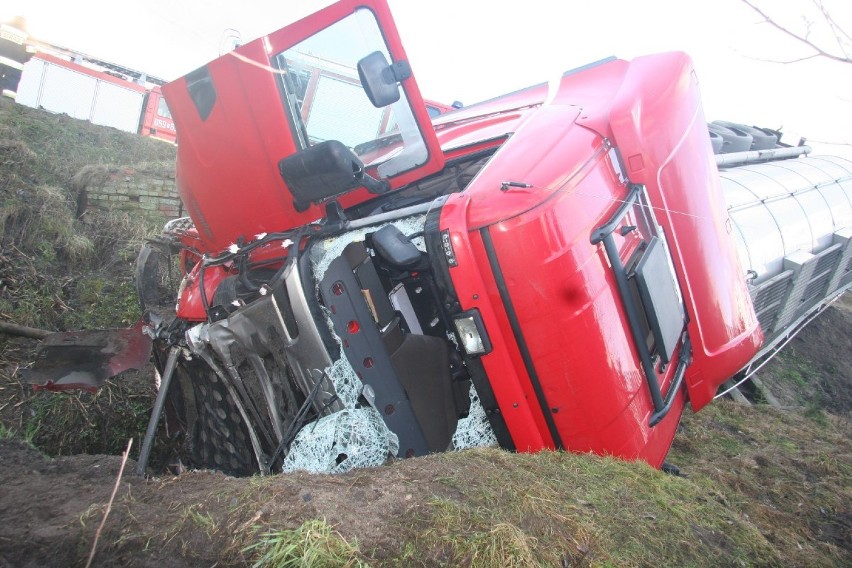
(204, 303)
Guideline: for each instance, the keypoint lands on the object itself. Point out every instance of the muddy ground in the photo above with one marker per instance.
(50, 508)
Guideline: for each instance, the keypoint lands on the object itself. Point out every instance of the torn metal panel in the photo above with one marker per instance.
(263, 328)
(86, 359)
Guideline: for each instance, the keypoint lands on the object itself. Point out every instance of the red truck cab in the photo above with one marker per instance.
(566, 253)
(156, 120)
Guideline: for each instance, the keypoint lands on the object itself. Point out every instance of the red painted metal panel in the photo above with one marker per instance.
(659, 126)
(562, 288)
(153, 123)
(475, 288)
(190, 306)
(233, 190)
(563, 292)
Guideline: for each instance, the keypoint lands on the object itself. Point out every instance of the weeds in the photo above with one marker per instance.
(315, 544)
(54, 150)
(202, 520)
(86, 423)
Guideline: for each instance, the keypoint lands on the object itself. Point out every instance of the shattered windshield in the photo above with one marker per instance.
(326, 101)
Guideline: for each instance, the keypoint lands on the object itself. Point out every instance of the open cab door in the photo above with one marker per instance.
(325, 108)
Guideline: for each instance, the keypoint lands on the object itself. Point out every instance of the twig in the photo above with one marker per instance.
(109, 504)
(836, 30)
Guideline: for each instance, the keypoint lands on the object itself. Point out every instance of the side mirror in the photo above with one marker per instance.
(380, 79)
(325, 170)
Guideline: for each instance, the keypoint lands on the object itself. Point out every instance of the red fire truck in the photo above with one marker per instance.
(99, 92)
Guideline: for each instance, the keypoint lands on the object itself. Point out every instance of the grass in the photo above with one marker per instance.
(795, 370)
(53, 148)
(202, 520)
(58, 271)
(554, 509)
(782, 499)
(314, 544)
(765, 487)
(792, 477)
(88, 423)
(111, 303)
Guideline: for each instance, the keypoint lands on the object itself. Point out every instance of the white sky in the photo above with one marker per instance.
(470, 50)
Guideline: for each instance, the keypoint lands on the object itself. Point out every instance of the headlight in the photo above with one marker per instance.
(471, 333)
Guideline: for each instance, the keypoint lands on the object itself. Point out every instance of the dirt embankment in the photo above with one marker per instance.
(814, 370)
(764, 487)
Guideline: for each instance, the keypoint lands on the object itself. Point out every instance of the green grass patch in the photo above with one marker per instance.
(52, 148)
(552, 509)
(314, 544)
(111, 304)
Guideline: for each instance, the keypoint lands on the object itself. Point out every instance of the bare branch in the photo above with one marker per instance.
(788, 62)
(15, 329)
(109, 503)
(839, 33)
(805, 39)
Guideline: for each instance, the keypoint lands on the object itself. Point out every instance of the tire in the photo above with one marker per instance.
(214, 434)
(716, 141)
(157, 275)
(761, 139)
(733, 140)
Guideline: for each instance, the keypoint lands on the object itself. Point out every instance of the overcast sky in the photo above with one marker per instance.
(471, 50)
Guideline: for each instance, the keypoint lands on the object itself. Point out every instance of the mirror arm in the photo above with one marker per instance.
(371, 184)
(401, 70)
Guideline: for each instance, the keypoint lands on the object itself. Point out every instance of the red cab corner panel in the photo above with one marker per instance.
(190, 302)
(659, 127)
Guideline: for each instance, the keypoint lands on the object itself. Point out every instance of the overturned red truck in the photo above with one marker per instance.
(557, 268)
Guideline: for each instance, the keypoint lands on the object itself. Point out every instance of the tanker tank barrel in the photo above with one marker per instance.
(791, 220)
(752, 156)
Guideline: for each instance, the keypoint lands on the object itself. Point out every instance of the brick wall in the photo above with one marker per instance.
(147, 189)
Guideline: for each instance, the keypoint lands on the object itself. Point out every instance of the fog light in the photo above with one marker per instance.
(471, 333)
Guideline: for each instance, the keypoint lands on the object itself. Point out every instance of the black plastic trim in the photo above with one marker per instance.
(444, 283)
(514, 322)
(603, 234)
(199, 83)
(683, 362)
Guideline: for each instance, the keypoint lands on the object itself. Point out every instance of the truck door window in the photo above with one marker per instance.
(325, 100)
(163, 108)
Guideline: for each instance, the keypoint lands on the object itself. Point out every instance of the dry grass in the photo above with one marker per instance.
(314, 544)
(62, 146)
